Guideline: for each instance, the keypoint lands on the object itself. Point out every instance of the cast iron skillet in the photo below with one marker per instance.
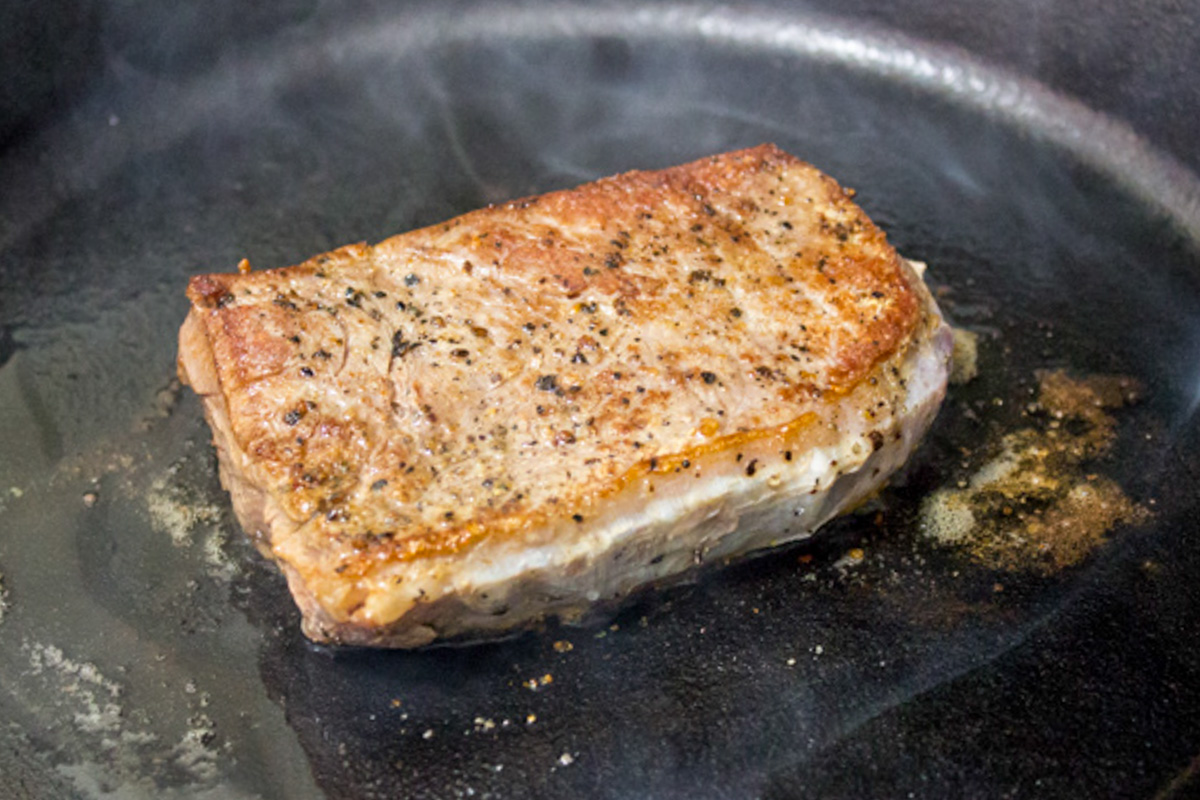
(146, 651)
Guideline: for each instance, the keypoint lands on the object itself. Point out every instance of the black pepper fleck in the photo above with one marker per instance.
(401, 348)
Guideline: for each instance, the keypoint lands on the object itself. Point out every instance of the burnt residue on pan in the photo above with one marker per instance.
(149, 651)
(1034, 504)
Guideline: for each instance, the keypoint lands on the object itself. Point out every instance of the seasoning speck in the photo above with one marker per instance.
(533, 684)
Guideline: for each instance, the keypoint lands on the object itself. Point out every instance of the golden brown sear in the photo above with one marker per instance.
(541, 404)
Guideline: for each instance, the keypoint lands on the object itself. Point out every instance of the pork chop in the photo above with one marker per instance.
(555, 401)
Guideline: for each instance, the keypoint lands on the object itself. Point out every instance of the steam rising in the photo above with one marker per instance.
(250, 83)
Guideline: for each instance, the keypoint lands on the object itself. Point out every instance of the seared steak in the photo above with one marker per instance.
(555, 401)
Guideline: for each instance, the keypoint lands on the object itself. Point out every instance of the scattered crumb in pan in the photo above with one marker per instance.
(176, 510)
(851, 558)
(533, 684)
(174, 513)
(216, 555)
(13, 493)
(94, 464)
(1034, 506)
(964, 361)
(90, 703)
(193, 752)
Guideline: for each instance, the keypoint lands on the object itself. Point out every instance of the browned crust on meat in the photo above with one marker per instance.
(352, 399)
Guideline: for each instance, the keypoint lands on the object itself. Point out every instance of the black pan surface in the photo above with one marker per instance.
(147, 651)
